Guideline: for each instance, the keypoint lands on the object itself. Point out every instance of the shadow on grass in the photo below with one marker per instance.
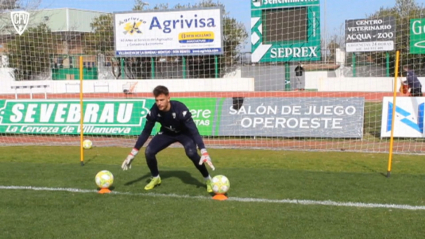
(184, 176)
(146, 176)
(90, 159)
(369, 169)
(110, 188)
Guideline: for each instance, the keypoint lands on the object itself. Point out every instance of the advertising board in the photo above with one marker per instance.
(367, 35)
(282, 117)
(170, 33)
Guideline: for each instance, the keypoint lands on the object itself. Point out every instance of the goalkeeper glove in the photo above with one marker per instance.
(127, 162)
(205, 158)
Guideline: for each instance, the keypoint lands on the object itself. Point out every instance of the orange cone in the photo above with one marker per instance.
(104, 190)
(220, 197)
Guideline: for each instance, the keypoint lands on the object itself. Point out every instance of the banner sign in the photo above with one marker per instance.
(366, 35)
(169, 33)
(101, 117)
(285, 117)
(417, 36)
(294, 117)
(408, 118)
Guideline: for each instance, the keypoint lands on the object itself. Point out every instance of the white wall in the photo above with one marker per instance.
(314, 80)
(319, 80)
(353, 84)
(115, 86)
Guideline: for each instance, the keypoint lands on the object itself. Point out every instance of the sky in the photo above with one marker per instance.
(333, 12)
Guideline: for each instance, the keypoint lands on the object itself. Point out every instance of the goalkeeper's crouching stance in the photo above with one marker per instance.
(177, 125)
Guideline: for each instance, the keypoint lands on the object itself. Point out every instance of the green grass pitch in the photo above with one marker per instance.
(265, 187)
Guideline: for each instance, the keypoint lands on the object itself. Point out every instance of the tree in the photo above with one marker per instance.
(101, 40)
(332, 46)
(30, 53)
(234, 33)
(9, 4)
(139, 5)
(333, 42)
(403, 11)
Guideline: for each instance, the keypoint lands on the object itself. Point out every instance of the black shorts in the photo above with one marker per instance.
(417, 92)
(160, 141)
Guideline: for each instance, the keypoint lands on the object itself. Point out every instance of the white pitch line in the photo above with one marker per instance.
(258, 200)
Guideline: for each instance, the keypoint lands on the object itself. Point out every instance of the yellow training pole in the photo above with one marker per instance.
(390, 158)
(81, 113)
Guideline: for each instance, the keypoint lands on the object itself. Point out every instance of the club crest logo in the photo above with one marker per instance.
(20, 20)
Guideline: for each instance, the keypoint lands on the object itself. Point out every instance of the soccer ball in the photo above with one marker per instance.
(220, 184)
(87, 144)
(104, 179)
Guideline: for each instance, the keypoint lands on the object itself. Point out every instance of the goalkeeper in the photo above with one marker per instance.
(177, 125)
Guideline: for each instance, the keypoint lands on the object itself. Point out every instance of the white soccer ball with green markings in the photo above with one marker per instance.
(104, 179)
(220, 184)
(87, 144)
